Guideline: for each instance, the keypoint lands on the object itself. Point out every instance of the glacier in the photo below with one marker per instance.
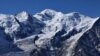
(49, 33)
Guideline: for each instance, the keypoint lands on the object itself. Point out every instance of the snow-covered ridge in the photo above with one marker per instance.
(45, 29)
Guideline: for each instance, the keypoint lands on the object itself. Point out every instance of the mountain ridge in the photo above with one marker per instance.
(48, 32)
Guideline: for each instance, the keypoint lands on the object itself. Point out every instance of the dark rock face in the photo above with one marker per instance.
(25, 29)
(28, 28)
(5, 44)
(89, 43)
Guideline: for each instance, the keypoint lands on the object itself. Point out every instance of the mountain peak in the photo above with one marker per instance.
(49, 11)
(23, 13)
(23, 16)
(46, 14)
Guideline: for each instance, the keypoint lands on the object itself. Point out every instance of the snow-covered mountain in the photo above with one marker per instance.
(49, 33)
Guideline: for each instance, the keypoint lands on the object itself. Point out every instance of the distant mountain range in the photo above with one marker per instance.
(49, 33)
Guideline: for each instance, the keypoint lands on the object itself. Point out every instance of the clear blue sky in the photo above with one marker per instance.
(87, 7)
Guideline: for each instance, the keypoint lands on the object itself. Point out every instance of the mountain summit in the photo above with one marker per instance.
(49, 33)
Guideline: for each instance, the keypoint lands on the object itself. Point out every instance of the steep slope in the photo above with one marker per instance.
(70, 44)
(89, 43)
(28, 25)
(21, 25)
(77, 25)
(62, 39)
(5, 45)
(62, 22)
(13, 28)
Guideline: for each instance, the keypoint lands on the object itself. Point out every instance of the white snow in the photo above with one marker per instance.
(61, 21)
(22, 17)
(54, 22)
(72, 41)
